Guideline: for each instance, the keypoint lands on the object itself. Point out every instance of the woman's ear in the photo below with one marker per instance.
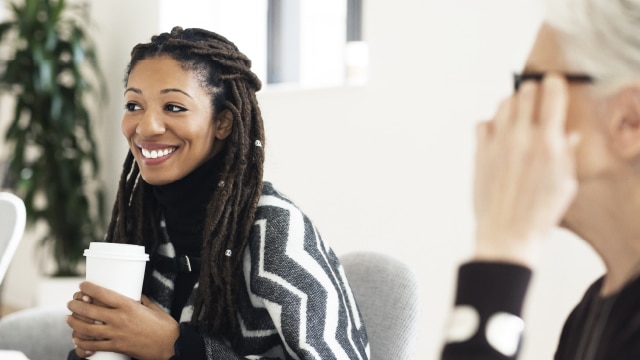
(624, 127)
(224, 124)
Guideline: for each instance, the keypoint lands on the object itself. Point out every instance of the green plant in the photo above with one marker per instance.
(53, 74)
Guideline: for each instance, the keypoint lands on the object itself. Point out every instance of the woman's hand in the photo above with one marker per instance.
(103, 320)
(525, 177)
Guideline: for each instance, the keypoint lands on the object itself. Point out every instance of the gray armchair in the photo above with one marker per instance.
(386, 291)
(41, 333)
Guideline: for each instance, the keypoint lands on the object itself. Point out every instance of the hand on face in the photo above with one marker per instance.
(525, 172)
(103, 320)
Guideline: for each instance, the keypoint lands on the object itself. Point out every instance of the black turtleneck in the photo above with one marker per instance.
(184, 204)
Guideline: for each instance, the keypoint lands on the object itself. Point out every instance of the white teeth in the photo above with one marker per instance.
(154, 154)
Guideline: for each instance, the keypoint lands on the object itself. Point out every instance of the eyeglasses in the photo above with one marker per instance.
(518, 79)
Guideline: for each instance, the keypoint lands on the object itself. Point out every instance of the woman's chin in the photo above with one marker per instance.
(156, 180)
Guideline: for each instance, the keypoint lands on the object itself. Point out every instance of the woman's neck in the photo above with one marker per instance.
(184, 204)
(608, 218)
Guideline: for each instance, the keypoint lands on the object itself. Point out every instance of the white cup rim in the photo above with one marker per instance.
(116, 256)
(105, 251)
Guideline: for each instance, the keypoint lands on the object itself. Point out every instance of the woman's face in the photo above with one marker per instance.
(169, 121)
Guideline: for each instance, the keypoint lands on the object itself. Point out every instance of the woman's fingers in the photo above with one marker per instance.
(502, 119)
(103, 296)
(82, 353)
(524, 178)
(82, 296)
(139, 329)
(85, 347)
(94, 330)
(86, 311)
(525, 112)
(83, 318)
(555, 101)
(573, 139)
(483, 132)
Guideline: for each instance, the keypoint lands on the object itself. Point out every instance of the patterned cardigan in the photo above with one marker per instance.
(297, 303)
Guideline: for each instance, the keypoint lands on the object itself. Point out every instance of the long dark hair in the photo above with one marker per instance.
(226, 74)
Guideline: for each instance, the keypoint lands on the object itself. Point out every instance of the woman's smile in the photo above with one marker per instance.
(155, 154)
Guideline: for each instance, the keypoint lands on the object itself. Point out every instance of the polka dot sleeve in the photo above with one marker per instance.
(486, 320)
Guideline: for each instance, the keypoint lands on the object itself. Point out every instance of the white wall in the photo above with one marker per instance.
(387, 166)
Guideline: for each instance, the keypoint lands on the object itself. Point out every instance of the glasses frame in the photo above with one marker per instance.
(519, 78)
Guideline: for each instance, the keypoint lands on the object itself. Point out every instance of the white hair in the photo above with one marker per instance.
(599, 37)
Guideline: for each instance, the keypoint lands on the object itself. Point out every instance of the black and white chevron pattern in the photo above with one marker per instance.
(297, 303)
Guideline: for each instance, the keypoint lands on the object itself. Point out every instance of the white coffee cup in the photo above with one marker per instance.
(117, 267)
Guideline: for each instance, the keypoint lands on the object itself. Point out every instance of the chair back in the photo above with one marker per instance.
(12, 223)
(41, 333)
(386, 291)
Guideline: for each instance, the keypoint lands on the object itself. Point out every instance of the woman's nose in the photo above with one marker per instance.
(151, 124)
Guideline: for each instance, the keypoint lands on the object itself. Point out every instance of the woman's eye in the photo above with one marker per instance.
(132, 107)
(174, 108)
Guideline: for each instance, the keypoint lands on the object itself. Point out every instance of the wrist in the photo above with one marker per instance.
(169, 351)
(523, 252)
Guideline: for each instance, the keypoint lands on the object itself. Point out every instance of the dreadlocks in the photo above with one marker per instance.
(225, 73)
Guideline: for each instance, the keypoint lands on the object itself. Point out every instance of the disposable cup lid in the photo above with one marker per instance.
(116, 251)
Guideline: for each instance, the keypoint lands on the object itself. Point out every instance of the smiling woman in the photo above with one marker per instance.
(168, 121)
(236, 268)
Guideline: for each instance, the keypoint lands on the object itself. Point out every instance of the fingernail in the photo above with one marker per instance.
(98, 322)
(88, 353)
(85, 298)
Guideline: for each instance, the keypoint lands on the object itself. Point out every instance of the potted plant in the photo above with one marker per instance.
(53, 75)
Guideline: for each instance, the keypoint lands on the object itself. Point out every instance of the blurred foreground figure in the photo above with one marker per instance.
(564, 149)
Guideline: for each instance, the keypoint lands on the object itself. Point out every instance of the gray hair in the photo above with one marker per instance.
(599, 37)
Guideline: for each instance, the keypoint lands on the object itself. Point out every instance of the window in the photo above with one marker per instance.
(283, 41)
(356, 52)
(354, 20)
(291, 43)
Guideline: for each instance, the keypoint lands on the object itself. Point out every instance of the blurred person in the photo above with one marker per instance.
(237, 271)
(564, 149)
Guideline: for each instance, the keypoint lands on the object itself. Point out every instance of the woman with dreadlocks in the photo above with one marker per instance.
(236, 270)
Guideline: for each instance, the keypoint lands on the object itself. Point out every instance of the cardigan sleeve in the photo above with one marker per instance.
(189, 345)
(486, 320)
(298, 280)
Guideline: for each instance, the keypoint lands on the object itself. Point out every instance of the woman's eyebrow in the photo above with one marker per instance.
(135, 90)
(163, 91)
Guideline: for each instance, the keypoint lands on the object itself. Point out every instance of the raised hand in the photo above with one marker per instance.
(525, 176)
